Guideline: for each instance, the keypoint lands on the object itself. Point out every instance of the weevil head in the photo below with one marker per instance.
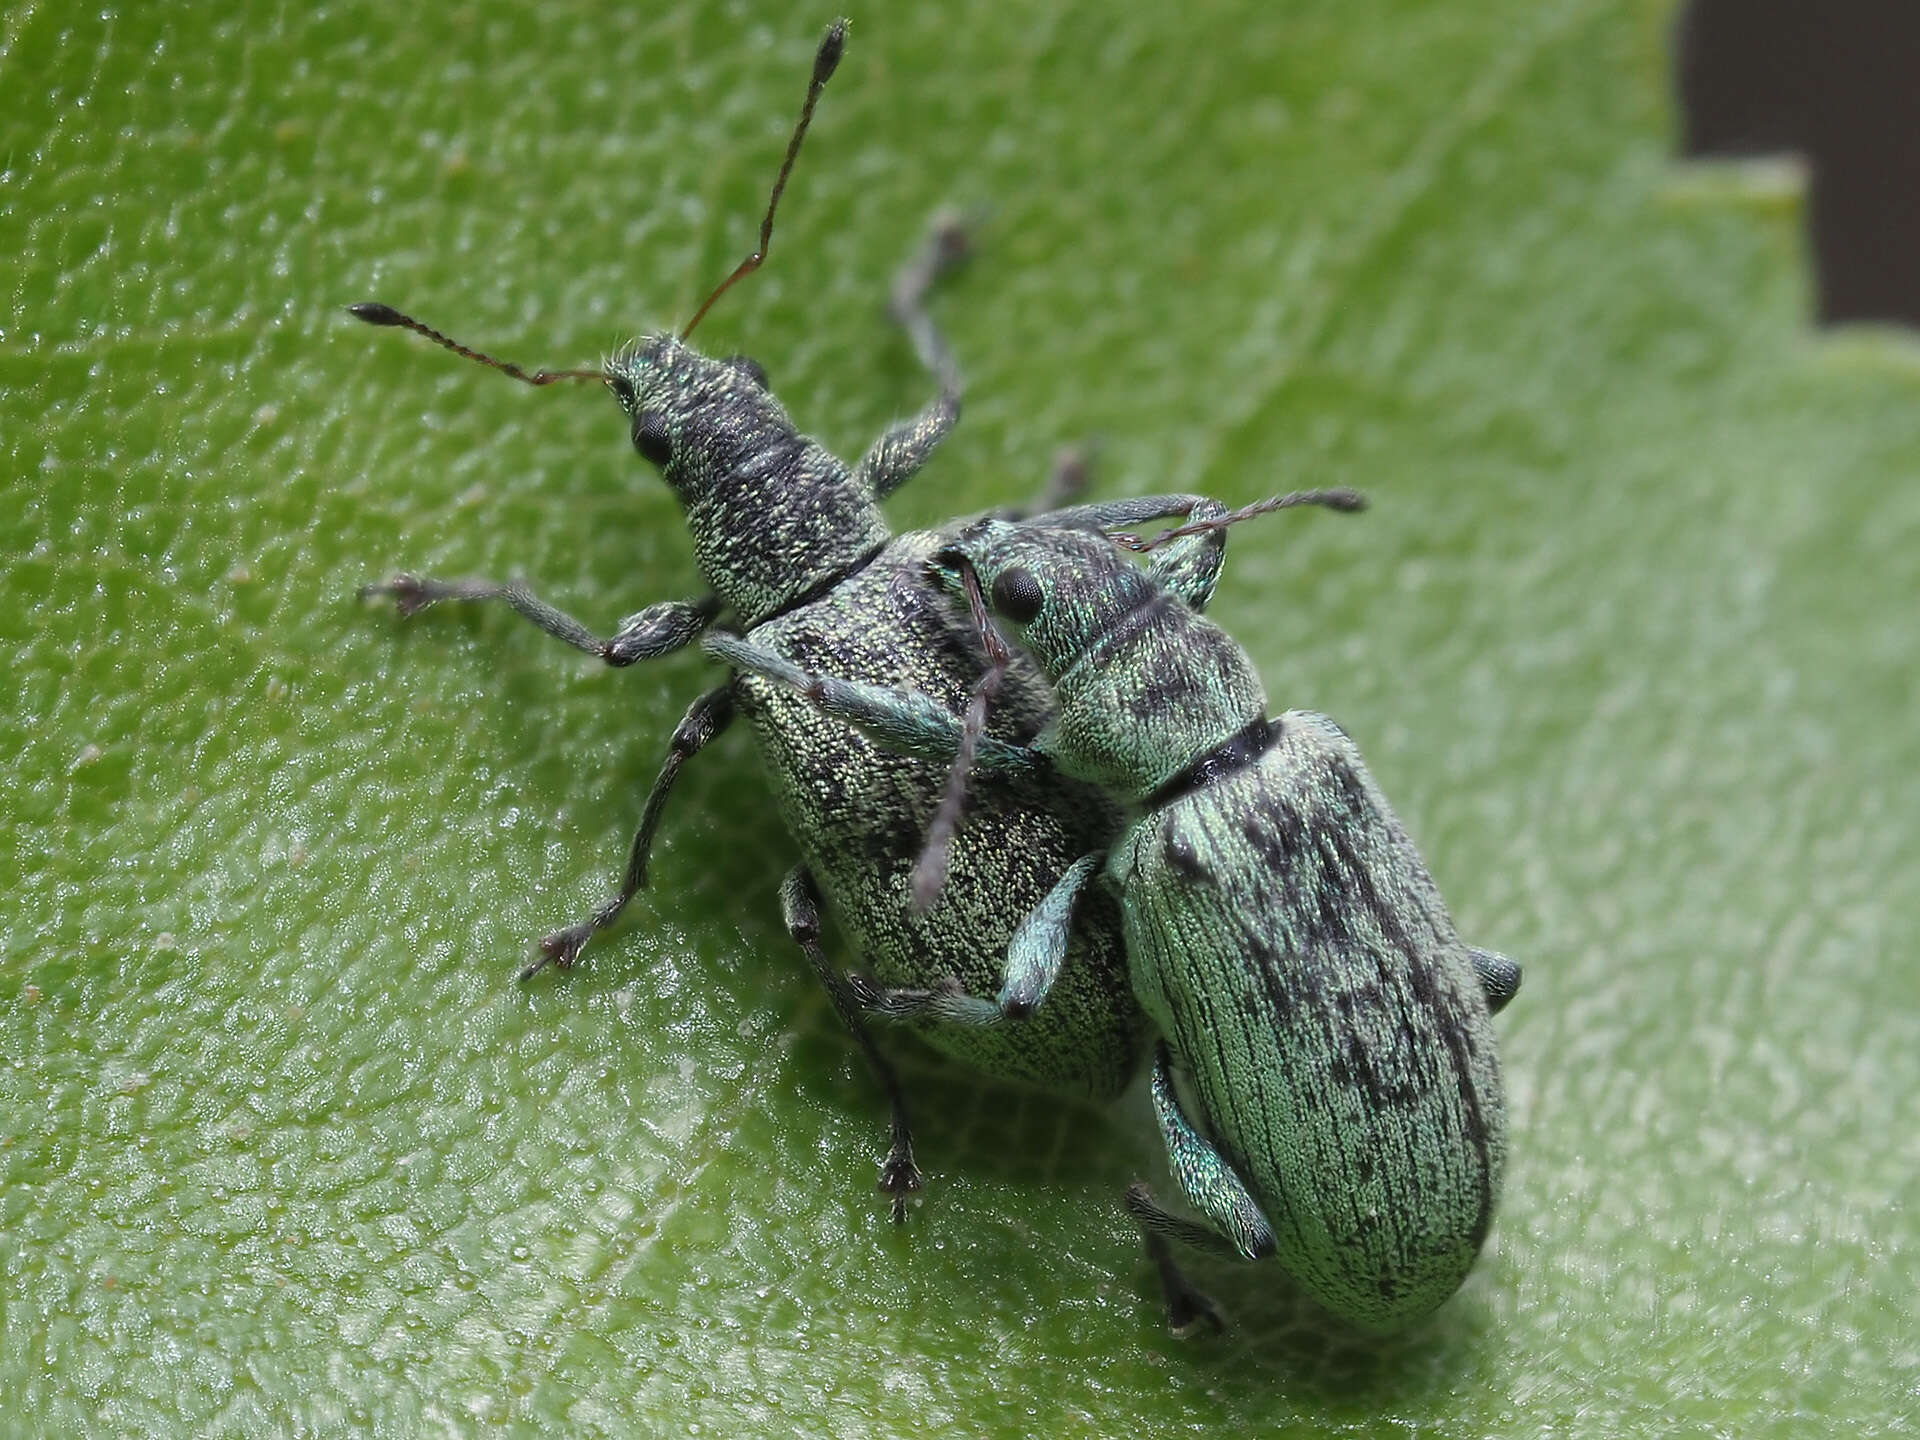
(1142, 684)
(772, 513)
(695, 418)
(1056, 591)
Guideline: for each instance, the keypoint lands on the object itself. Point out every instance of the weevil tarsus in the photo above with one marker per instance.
(1188, 1308)
(658, 630)
(704, 721)
(900, 452)
(800, 909)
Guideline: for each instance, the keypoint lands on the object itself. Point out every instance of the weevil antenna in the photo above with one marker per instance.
(930, 870)
(1335, 499)
(825, 59)
(376, 314)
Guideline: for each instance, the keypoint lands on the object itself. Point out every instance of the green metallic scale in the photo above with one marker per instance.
(1344, 1110)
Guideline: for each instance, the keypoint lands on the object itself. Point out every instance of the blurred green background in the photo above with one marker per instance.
(1629, 637)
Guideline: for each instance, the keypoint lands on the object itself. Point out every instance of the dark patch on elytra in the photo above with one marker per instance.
(1277, 990)
(883, 837)
(1436, 1002)
(1363, 1071)
(1274, 828)
(1353, 806)
(1253, 1011)
(1357, 877)
(1291, 985)
(1360, 999)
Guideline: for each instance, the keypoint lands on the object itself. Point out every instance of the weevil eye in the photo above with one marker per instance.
(622, 391)
(650, 439)
(749, 367)
(1017, 595)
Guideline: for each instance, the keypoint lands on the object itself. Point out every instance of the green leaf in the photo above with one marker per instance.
(1629, 635)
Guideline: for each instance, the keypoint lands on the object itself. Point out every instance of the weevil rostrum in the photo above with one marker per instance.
(797, 557)
(1334, 1034)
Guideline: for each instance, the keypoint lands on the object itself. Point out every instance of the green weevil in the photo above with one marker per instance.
(1347, 1111)
(797, 555)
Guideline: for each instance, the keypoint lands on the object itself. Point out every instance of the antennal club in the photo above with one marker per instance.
(375, 313)
(1336, 499)
(832, 45)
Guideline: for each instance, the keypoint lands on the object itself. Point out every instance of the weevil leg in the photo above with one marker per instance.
(903, 721)
(704, 720)
(1190, 566)
(1039, 946)
(1187, 1306)
(1110, 514)
(800, 905)
(1235, 1223)
(1034, 958)
(948, 1004)
(899, 453)
(1499, 976)
(930, 870)
(655, 631)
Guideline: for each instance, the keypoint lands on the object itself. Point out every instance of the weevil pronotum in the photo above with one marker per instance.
(1282, 931)
(797, 556)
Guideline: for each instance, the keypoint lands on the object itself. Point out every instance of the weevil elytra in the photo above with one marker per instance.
(797, 556)
(1282, 931)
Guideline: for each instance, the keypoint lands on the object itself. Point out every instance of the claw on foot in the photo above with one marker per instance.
(560, 950)
(410, 596)
(1188, 1312)
(899, 1178)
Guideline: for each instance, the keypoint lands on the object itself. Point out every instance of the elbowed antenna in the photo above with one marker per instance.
(832, 45)
(825, 60)
(1339, 498)
(375, 313)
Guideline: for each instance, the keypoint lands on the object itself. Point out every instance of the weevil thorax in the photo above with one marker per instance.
(1145, 687)
(774, 515)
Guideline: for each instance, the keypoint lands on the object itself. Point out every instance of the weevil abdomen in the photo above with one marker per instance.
(1287, 939)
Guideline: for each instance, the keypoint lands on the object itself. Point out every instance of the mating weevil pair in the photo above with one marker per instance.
(1281, 930)
(799, 560)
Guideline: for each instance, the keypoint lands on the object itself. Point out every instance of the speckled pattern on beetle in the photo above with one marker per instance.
(1333, 1032)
